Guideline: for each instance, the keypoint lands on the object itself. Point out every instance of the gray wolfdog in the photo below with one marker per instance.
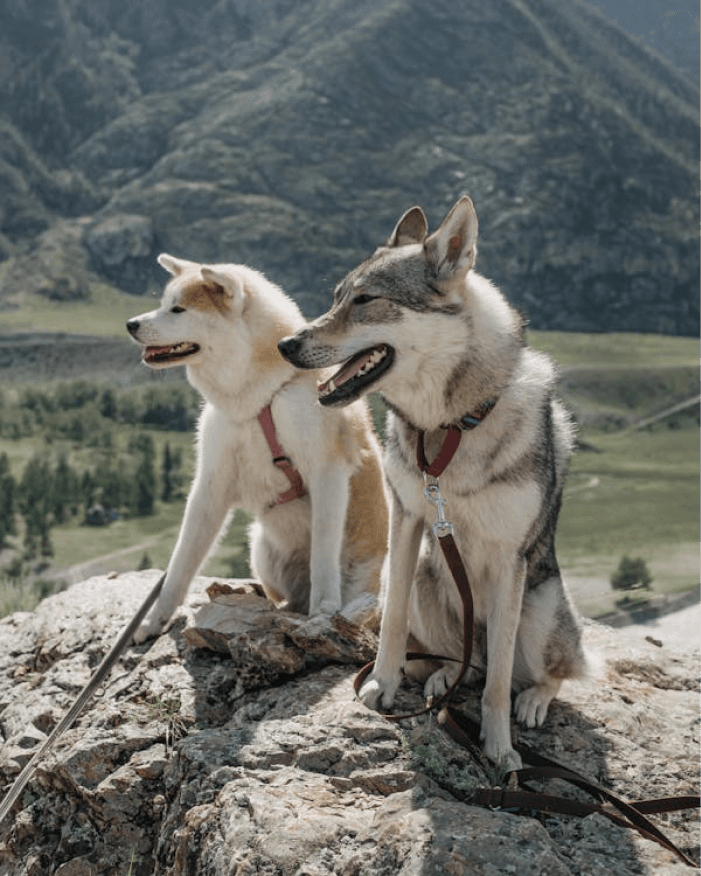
(443, 346)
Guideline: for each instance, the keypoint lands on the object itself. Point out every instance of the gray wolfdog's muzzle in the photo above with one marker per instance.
(355, 376)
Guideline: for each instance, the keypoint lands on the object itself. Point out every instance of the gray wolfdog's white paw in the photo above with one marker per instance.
(504, 757)
(379, 692)
(441, 681)
(531, 706)
(495, 733)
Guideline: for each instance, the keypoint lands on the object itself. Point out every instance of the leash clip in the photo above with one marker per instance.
(432, 491)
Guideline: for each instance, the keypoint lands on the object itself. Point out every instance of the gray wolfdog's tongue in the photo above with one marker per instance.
(361, 363)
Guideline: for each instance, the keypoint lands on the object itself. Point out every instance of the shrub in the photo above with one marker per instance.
(631, 574)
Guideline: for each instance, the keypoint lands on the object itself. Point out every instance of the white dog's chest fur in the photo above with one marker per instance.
(244, 465)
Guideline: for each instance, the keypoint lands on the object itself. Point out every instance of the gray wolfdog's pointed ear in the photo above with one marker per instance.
(452, 248)
(228, 281)
(411, 228)
(172, 265)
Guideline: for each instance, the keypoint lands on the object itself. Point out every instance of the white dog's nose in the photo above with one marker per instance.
(133, 326)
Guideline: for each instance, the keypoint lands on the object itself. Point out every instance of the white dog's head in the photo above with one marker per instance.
(197, 298)
(222, 321)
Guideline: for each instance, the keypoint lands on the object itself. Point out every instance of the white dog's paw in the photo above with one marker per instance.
(441, 681)
(531, 706)
(325, 607)
(379, 692)
(149, 629)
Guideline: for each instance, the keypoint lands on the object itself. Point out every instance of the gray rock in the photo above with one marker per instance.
(191, 763)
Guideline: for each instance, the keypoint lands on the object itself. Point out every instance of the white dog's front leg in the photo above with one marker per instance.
(506, 596)
(405, 540)
(205, 512)
(329, 498)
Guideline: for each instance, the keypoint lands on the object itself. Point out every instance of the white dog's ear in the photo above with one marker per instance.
(230, 284)
(411, 228)
(452, 248)
(172, 265)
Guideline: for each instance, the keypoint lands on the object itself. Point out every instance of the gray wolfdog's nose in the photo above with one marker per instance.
(289, 348)
(133, 326)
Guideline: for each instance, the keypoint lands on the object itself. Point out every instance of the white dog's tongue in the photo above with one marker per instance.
(157, 351)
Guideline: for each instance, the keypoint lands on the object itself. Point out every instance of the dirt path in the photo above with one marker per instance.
(100, 565)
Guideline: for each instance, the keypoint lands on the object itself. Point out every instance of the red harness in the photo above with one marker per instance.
(297, 489)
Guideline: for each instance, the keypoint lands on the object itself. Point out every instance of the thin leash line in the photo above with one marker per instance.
(84, 696)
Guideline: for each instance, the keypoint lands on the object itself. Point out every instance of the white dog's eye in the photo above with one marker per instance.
(363, 299)
(177, 309)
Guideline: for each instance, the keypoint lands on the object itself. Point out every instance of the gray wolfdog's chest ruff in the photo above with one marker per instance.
(503, 488)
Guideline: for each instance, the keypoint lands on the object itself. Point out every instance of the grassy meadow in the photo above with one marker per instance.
(630, 491)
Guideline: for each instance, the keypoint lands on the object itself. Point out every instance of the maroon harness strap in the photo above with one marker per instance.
(297, 489)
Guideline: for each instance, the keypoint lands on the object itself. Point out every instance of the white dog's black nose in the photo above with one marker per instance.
(133, 326)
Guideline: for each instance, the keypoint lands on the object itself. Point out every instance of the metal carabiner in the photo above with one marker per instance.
(432, 491)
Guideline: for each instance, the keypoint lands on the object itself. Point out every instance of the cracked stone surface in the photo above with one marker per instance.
(208, 760)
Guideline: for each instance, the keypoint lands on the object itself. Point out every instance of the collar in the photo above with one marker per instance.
(451, 442)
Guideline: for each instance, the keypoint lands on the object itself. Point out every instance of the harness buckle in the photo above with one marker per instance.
(432, 491)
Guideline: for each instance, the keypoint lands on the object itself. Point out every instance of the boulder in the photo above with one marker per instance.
(233, 744)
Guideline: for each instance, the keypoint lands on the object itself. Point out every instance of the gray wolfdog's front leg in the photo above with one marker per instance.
(405, 540)
(504, 613)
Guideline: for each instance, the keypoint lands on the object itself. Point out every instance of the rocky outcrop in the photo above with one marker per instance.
(255, 758)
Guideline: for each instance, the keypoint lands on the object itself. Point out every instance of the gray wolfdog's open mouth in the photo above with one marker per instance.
(171, 353)
(356, 375)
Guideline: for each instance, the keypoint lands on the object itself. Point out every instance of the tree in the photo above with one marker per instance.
(631, 574)
(166, 473)
(8, 489)
(35, 492)
(145, 476)
(108, 404)
(66, 489)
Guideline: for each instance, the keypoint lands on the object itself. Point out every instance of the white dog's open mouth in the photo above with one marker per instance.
(356, 375)
(171, 353)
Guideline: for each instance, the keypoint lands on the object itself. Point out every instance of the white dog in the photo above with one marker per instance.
(312, 476)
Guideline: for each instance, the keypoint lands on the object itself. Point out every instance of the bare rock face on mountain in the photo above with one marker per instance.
(252, 756)
(292, 135)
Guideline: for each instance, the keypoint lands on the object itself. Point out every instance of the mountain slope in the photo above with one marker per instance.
(292, 136)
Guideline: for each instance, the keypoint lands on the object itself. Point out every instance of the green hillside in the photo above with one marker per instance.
(631, 490)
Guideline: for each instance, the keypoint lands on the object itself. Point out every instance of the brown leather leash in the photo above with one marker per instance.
(466, 732)
(444, 534)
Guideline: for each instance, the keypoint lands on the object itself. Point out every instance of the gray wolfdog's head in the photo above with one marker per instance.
(403, 311)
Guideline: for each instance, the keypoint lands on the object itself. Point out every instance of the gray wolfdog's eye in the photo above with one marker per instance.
(177, 309)
(363, 299)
